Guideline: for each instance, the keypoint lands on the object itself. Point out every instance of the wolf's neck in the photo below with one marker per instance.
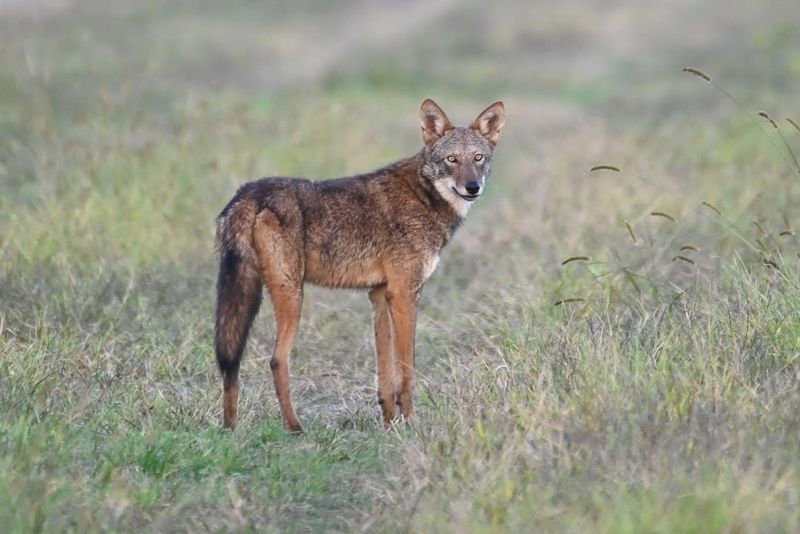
(446, 213)
(401, 168)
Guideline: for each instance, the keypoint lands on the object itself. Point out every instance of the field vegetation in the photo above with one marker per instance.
(615, 350)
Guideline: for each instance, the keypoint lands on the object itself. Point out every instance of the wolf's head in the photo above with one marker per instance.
(458, 159)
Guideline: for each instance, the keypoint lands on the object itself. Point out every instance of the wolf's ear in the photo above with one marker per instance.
(434, 122)
(490, 122)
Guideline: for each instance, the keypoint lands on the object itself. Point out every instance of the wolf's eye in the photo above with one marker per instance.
(451, 159)
(478, 157)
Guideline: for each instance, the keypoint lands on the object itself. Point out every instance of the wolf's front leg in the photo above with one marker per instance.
(403, 310)
(384, 353)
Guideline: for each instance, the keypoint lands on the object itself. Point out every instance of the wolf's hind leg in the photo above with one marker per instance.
(288, 304)
(278, 244)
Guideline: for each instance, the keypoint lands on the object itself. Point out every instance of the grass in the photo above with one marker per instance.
(623, 391)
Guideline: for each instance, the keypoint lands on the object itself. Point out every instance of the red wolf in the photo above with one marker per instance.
(380, 231)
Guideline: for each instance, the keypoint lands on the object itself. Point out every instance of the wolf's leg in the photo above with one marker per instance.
(282, 269)
(384, 353)
(403, 310)
(287, 303)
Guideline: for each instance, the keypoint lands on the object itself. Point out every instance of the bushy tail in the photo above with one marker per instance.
(238, 287)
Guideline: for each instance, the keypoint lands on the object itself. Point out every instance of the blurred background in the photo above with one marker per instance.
(181, 101)
(126, 126)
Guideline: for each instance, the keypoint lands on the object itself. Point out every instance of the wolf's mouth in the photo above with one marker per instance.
(468, 198)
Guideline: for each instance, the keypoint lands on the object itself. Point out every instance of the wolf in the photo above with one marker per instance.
(381, 232)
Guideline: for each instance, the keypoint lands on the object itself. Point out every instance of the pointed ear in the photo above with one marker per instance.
(434, 122)
(490, 122)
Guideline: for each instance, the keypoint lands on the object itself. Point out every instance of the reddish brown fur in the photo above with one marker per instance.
(380, 231)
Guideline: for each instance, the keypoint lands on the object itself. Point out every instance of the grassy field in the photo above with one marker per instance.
(649, 384)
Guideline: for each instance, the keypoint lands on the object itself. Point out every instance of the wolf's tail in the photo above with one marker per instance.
(238, 286)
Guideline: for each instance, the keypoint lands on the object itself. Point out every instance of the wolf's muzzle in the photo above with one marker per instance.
(473, 188)
(469, 196)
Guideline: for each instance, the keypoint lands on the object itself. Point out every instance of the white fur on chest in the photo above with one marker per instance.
(430, 266)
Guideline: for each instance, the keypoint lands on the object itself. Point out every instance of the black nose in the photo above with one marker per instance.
(473, 188)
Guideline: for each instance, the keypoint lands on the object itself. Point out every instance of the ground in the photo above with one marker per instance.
(598, 350)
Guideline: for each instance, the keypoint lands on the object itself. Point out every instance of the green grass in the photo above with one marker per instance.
(85, 477)
(658, 395)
